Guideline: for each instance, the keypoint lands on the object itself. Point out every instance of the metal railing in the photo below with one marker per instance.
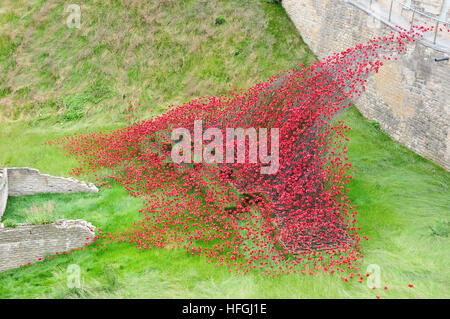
(407, 5)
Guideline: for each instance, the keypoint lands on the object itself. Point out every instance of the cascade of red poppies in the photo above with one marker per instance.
(299, 219)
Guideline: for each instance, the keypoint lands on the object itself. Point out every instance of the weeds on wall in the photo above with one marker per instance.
(40, 215)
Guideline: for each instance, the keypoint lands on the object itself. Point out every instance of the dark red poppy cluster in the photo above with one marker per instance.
(297, 220)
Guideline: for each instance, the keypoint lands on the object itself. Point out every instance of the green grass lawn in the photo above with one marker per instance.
(402, 199)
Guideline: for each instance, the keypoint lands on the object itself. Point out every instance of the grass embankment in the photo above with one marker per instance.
(165, 52)
(402, 198)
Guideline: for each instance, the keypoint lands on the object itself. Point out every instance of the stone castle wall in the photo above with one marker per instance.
(408, 97)
(3, 190)
(27, 243)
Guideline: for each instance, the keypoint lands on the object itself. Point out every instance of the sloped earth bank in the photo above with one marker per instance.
(298, 219)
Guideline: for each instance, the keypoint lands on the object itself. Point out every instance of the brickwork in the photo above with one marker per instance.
(408, 97)
(28, 181)
(3, 191)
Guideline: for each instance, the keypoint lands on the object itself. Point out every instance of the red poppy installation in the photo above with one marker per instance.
(298, 219)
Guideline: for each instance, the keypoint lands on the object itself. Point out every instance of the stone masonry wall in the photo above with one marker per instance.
(3, 190)
(28, 181)
(408, 97)
(27, 243)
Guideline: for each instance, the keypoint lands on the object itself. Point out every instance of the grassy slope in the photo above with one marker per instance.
(399, 195)
(165, 52)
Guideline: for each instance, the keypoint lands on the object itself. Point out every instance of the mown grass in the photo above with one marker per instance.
(402, 199)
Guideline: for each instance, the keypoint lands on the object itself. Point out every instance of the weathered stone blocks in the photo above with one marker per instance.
(3, 190)
(18, 181)
(27, 242)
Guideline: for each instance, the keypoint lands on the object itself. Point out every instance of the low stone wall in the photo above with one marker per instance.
(3, 190)
(408, 97)
(27, 243)
(28, 181)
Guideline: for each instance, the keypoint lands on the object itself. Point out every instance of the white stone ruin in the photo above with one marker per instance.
(28, 243)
